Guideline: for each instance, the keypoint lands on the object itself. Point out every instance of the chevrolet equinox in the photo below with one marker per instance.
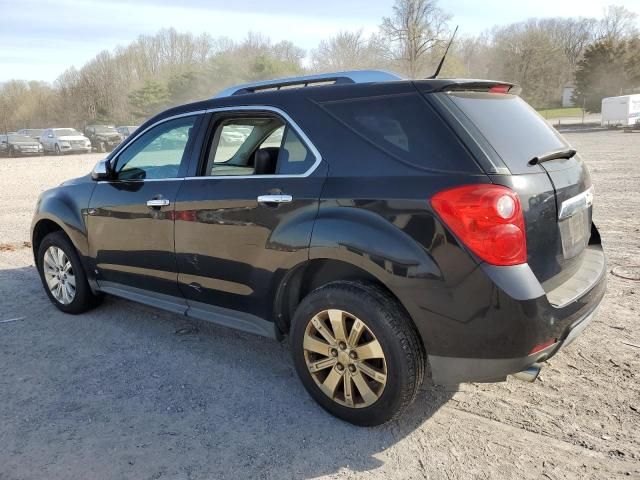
(394, 230)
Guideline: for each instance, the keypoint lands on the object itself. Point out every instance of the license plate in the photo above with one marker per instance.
(575, 232)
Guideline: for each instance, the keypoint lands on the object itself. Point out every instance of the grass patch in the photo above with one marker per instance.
(561, 112)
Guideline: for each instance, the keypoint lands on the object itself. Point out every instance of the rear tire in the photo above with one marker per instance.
(375, 374)
(63, 275)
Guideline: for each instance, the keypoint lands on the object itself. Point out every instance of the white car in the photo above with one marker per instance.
(64, 140)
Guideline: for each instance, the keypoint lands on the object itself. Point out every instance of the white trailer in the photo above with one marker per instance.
(624, 110)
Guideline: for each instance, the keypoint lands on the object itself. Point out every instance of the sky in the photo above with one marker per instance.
(40, 40)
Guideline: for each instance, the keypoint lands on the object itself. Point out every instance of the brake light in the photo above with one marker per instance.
(488, 219)
(500, 89)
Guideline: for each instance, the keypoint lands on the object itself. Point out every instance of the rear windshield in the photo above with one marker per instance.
(405, 127)
(510, 125)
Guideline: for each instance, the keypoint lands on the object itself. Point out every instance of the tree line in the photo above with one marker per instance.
(601, 57)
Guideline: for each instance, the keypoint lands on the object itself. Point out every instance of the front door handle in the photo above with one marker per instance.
(158, 202)
(274, 199)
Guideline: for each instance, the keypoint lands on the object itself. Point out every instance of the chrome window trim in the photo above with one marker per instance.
(114, 160)
(262, 108)
(241, 108)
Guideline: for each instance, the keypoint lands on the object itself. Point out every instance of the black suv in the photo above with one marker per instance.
(103, 137)
(393, 229)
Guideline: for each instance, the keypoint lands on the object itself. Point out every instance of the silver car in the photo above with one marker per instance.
(64, 140)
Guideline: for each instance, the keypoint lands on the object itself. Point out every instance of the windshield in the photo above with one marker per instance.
(35, 133)
(20, 138)
(66, 132)
(106, 130)
(512, 127)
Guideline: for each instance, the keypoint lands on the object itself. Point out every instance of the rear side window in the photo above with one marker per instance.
(512, 127)
(405, 127)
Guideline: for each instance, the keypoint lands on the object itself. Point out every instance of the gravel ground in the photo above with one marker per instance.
(116, 393)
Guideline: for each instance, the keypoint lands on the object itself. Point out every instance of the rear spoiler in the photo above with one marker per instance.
(466, 85)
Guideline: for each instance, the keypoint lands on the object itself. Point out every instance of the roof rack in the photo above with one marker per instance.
(355, 76)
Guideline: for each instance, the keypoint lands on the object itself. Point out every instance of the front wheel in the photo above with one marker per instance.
(357, 352)
(57, 150)
(63, 276)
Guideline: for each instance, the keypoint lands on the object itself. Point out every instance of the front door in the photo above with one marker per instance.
(247, 215)
(130, 218)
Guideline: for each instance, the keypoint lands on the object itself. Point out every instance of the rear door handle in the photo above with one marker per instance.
(158, 202)
(277, 199)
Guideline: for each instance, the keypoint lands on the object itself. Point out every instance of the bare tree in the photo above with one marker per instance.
(617, 24)
(414, 30)
(348, 50)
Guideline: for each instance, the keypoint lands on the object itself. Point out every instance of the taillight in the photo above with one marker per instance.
(488, 219)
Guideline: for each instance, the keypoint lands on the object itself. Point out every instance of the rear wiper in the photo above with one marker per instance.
(555, 155)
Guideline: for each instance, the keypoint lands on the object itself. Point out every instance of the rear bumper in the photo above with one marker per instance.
(452, 370)
(498, 342)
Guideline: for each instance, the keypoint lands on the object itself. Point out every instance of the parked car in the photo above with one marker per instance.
(14, 145)
(401, 229)
(125, 131)
(34, 133)
(103, 137)
(64, 140)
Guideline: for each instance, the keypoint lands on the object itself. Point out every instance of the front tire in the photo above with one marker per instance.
(57, 150)
(357, 352)
(63, 276)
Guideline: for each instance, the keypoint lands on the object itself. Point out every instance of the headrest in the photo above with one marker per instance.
(266, 160)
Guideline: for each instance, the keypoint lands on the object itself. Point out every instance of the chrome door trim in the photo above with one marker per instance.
(158, 202)
(279, 198)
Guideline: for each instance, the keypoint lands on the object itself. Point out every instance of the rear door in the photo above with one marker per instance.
(555, 195)
(131, 222)
(246, 215)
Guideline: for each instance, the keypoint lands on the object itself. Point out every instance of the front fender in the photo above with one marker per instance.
(66, 206)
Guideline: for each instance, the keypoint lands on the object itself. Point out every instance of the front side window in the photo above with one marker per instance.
(158, 153)
(264, 145)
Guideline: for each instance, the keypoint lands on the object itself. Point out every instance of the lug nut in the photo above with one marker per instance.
(352, 368)
(334, 352)
(339, 367)
(342, 345)
(353, 355)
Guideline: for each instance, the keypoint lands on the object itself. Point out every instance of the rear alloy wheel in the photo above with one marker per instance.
(357, 352)
(344, 358)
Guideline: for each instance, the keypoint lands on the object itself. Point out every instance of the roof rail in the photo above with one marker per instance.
(355, 76)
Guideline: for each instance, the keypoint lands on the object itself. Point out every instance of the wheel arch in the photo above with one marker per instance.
(62, 209)
(312, 274)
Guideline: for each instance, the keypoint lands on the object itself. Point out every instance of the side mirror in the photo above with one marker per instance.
(102, 170)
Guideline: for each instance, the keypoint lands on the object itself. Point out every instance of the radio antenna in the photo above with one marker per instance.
(435, 75)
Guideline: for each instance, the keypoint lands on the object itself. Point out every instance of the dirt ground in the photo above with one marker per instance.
(117, 393)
